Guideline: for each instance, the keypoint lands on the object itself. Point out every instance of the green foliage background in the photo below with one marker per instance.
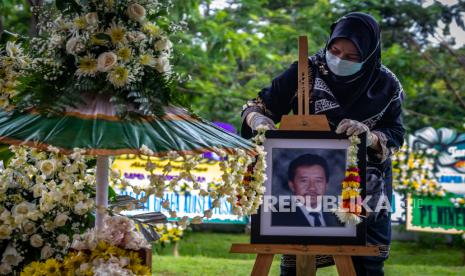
(233, 51)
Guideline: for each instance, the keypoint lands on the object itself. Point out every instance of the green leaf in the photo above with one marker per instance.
(8, 36)
(103, 36)
(70, 5)
(5, 154)
(111, 194)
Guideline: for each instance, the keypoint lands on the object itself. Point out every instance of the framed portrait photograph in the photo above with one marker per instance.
(303, 187)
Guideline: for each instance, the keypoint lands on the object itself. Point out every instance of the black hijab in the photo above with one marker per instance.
(369, 91)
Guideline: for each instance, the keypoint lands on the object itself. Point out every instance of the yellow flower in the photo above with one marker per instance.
(34, 268)
(461, 201)
(147, 60)
(117, 33)
(87, 66)
(124, 54)
(74, 260)
(119, 77)
(139, 269)
(52, 267)
(134, 258)
(151, 29)
(346, 194)
(80, 22)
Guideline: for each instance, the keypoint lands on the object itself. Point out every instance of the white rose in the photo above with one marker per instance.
(106, 61)
(136, 12)
(92, 18)
(5, 269)
(46, 252)
(29, 227)
(80, 208)
(6, 215)
(63, 240)
(71, 45)
(60, 220)
(163, 64)
(36, 240)
(11, 256)
(5, 232)
(164, 44)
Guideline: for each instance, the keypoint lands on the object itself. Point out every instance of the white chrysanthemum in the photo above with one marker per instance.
(151, 29)
(119, 77)
(147, 60)
(87, 66)
(13, 49)
(117, 33)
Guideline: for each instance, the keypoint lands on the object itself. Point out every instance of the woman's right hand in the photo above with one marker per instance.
(255, 119)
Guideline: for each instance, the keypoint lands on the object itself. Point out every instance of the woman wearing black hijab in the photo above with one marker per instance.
(358, 95)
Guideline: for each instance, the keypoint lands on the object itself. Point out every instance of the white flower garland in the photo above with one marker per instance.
(243, 176)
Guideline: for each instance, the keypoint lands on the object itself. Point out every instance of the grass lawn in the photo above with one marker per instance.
(207, 254)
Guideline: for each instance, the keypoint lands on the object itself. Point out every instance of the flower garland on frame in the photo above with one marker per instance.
(351, 207)
(241, 183)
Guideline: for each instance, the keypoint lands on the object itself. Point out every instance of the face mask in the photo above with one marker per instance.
(341, 67)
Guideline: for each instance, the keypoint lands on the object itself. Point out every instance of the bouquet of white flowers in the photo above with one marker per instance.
(45, 199)
(110, 47)
(114, 250)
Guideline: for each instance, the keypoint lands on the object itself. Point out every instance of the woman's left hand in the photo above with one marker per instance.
(352, 127)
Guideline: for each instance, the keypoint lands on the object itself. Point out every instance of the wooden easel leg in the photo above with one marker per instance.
(344, 265)
(306, 265)
(262, 265)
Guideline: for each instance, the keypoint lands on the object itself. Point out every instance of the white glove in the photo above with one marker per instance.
(255, 119)
(352, 127)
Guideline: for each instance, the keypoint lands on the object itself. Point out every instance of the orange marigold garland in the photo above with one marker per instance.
(351, 207)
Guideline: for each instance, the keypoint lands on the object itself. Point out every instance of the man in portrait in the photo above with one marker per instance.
(308, 178)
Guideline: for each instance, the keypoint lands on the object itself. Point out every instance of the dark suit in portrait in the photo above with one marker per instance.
(298, 218)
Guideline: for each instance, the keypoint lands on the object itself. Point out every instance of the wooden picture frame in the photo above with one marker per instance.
(285, 151)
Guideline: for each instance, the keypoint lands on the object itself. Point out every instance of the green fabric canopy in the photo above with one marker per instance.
(107, 135)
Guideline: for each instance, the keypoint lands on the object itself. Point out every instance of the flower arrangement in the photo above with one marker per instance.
(45, 199)
(351, 208)
(241, 182)
(119, 48)
(170, 233)
(413, 172)
(111, 251)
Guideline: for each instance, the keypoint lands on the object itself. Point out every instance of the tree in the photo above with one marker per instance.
(232, 52)
(14, 14)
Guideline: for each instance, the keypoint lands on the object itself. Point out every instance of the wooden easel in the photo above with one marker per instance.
(306, 264)
(304, 120)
